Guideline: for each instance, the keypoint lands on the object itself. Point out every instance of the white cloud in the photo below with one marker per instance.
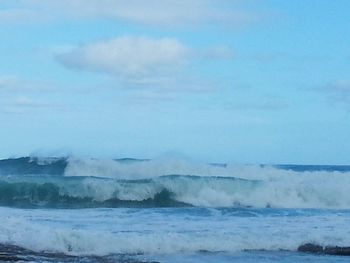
(127, 56)
(144, 63)
(153, 12)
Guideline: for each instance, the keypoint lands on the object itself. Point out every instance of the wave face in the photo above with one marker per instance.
(33, 165)
(78, 183)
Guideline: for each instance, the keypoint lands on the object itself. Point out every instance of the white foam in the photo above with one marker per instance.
(102, 232)
(275, 188)
(150, 169)
(131, 170)
(261, 187)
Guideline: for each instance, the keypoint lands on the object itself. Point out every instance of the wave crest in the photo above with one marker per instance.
(298, 191)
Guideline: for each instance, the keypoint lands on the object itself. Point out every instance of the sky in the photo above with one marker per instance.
(245, 81)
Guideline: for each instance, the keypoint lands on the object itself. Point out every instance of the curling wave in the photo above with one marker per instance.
(81, 183)
(322, 190)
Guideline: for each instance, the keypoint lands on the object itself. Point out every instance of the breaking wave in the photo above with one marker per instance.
(166, 231)
(77, 183)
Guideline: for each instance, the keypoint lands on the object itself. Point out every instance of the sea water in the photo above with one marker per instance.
(74, 210)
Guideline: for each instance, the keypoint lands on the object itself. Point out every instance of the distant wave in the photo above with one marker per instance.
(130, 168)
(33, 165)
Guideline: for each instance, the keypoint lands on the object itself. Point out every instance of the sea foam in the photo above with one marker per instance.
(166, 231)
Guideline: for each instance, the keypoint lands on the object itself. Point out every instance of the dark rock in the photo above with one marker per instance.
(328, 250)
(310, 248)
(339, 251)
(10, 258)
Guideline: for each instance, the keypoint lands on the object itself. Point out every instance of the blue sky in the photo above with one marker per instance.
(227, 80)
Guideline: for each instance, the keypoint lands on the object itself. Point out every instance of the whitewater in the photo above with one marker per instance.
(128, 210)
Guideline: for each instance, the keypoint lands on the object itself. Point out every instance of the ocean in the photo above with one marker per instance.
(128, 210)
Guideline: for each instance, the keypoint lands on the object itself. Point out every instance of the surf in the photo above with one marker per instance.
(87, 183)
